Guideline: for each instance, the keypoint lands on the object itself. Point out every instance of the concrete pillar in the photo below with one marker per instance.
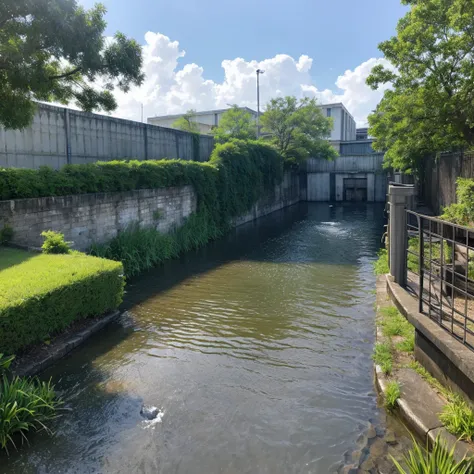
(67, 134)
(399, 198)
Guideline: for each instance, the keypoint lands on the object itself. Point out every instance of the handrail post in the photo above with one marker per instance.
(400, 197)
(421, 262)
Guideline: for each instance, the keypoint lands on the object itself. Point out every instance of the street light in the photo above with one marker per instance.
(259, 71)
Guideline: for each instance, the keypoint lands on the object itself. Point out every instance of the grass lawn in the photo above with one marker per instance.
(9, 257)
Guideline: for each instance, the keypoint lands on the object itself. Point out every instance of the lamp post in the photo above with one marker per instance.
(259, 71)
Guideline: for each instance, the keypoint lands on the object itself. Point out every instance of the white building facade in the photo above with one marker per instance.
(344, 128)
(206, 120)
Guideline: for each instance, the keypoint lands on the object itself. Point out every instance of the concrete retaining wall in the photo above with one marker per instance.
(88, 218)
(59, 136)
(285, 194)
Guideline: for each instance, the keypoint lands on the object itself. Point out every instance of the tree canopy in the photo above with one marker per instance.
(430, 105)
(235, 123)
(298, 128)
(56, 51)
(187, 122)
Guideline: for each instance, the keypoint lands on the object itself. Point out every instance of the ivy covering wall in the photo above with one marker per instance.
(237, 175)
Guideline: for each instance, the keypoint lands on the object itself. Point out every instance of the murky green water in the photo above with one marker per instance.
(257, 348)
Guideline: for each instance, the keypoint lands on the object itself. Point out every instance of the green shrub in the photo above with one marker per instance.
(381, 264)
(392, 394)
(458, 418)
(439, 460)
(6, 235)
(44, 294)
(54, 242)
(462, 212)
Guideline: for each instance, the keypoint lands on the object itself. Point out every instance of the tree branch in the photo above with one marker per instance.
(66, 74)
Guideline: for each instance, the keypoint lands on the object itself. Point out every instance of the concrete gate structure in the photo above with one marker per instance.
(347, 178)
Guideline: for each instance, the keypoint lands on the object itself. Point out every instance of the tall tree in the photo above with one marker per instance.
(430, 105)
(235, 123)
(187, 122)
(55, 50)
(298, 128)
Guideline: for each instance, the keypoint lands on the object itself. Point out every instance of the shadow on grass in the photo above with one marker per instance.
(11, 256)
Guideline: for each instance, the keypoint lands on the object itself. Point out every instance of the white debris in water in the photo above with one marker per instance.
(152, 423)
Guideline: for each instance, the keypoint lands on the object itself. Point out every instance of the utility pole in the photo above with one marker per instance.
(259, 71)
(142, 110)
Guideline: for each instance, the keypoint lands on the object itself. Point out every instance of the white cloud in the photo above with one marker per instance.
(169, 88)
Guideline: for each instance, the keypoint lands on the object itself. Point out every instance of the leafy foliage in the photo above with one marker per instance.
(462, 212)
(298, 129)
(5, 362)
(392, 394)
(238, 174)
(55, 50)
(440, 460)
(101, 177)
(44, 294)
(187, 122)
(429, 105)
(458, 418)
(235, 123)
(25, 405)
(54, 243)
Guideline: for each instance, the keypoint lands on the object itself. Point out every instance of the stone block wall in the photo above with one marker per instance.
(88, 218)
(93, 218)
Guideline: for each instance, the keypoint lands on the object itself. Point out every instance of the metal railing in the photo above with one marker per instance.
(440, 271)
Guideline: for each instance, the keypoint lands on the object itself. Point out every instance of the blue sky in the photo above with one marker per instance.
(337, 35)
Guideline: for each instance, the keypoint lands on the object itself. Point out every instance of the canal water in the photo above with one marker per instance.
(257, 348)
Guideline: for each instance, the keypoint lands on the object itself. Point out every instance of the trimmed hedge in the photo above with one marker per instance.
(44, 294)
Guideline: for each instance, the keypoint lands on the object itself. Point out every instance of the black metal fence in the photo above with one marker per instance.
(440, 271)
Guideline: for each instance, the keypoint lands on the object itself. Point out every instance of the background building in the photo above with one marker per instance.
(344, 128)
(206, 120)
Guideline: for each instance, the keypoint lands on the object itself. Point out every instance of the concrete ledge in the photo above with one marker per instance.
(419, 404)
(62, 346)
(440, 353)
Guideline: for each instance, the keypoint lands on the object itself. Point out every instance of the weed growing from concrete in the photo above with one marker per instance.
(394, 324)
(440, 460)
(381, 264)
(407, 345)
(458, 418)
(435, 383)
(392, 394)
(383, 357)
